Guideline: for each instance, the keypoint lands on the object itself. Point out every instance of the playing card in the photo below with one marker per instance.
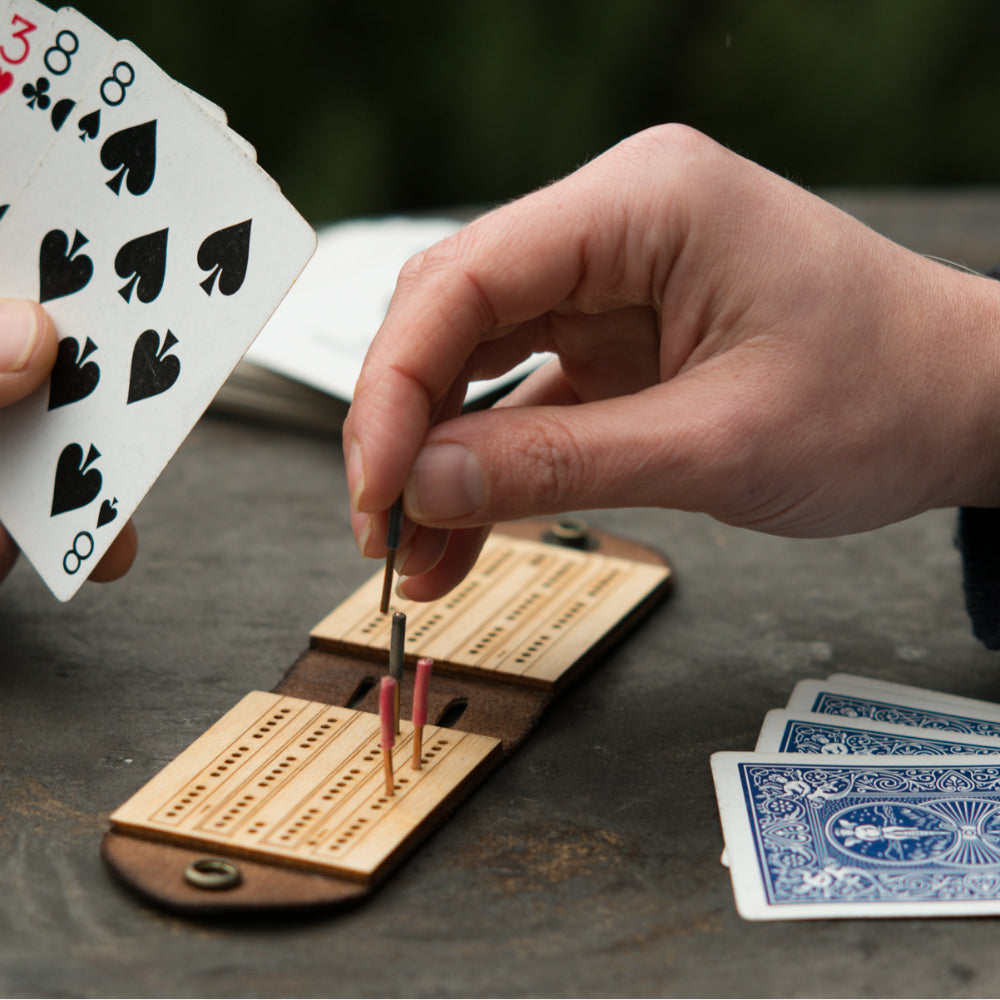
(891, 689)
(859, 701)
(55, 74)
(58, 68)
(809, 732)
(209, 107)
(809, 837)
(160, 251)
(22, 24)
(219, 117)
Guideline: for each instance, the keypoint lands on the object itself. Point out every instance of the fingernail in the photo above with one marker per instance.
(355, 473)
(363, 533)
(402, 554)
(446, 482)
(18, 334)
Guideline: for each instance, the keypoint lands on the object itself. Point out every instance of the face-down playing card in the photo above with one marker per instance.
(833, 735)
(159, 250)
(893, 691)
(809, 837)
(897, 704)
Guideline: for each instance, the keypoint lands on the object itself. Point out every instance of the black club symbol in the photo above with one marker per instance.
(36, 93)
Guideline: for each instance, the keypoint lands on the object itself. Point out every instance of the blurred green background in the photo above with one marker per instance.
(365, 108)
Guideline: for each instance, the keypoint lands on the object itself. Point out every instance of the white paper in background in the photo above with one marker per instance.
(321, 331)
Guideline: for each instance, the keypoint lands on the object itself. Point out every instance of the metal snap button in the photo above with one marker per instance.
(212, 873)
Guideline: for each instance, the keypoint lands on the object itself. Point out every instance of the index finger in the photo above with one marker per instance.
(446, 301)
(566, 243)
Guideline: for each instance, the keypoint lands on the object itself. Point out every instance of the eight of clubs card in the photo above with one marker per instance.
(159, 250)
(56, 73)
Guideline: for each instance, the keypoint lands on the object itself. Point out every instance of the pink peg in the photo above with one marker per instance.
(424, 665)
(386, 710)
(387, 713)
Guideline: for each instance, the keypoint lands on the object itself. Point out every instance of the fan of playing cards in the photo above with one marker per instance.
(865, 799)
(159, 248)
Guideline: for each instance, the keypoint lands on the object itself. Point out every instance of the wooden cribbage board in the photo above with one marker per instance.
(528, 612)
(302, 783)
(289, 785)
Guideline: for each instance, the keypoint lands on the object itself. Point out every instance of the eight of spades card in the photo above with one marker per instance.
(160, 250)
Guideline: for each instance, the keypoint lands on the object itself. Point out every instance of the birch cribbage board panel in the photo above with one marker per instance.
(302, 783)
(528, 611)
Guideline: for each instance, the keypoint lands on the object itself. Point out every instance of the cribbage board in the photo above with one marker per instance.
(527, 612)
(301, 783)
(287, 789)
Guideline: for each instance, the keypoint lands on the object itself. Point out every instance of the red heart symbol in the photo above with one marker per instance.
(6, 79)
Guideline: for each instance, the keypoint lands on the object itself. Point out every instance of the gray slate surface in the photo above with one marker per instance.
(587, 865)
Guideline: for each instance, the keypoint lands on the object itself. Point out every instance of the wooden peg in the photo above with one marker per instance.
(392, 533)
(424, 665)
(387, 698)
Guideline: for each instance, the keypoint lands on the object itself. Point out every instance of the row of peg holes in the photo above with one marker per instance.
(235, 755)
(498, 562)
(607, 579)
(516, 613)
(486, 640)
(345, 837)
(559, 573)
(460, 595)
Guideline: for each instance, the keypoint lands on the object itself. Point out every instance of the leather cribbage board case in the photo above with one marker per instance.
(286, 794)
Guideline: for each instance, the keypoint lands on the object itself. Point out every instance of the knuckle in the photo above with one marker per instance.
(554, 467)
(436, 259)
(671, 140)
(413, 270)
(447, 267)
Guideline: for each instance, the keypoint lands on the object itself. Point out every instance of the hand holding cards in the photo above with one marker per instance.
(865, 799)
(159, 248)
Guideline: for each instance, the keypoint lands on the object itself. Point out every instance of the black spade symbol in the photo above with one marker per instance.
(90, 125)
(108, 512)
(75, 484)
(71, 379)
(153, 370)
(132, 152)
(60, 112)
(144, 261)
(60, 270)
(226, 254)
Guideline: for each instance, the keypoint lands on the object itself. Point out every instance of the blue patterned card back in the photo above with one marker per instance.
(835, 738)
(856, 706)
(864, 838)
(822, 697)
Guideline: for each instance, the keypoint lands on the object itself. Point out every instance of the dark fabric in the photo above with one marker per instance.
(979, 540)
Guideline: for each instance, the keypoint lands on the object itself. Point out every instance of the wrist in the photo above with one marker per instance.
(968, 390)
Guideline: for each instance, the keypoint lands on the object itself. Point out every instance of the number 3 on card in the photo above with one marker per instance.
(22, 52)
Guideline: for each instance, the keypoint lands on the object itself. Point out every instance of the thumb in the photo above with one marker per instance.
(668, 446)
(28, 347)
